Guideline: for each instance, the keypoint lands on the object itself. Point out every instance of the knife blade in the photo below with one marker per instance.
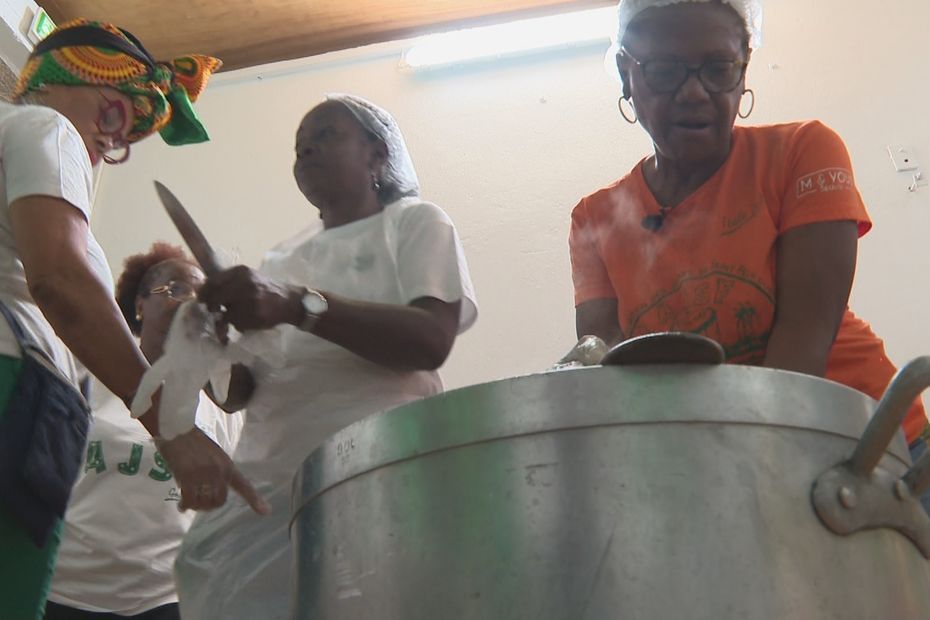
(189, 230)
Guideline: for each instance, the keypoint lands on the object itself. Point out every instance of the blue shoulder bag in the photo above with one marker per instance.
(43, 435)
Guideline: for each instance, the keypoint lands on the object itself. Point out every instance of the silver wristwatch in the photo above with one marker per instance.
(315, 306)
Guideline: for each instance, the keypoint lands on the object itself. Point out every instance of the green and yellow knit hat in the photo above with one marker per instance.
(89, 53)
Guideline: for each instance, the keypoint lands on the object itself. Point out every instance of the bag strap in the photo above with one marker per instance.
(21, 336)
(33, 350)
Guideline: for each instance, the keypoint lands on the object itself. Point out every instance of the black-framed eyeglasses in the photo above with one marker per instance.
(178, 291)
(667, 76)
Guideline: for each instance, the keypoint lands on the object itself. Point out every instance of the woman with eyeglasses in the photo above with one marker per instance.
(88, 91)
(744, 234)
(122, 530)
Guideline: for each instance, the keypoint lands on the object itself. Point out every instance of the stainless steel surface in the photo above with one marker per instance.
(189, 230)
(645, 492)
(665, 348)
(858, 494)
(906, 386)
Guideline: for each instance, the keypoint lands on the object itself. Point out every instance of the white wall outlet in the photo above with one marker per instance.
(902, 159)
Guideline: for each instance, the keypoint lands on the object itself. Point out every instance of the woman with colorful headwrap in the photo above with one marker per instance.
(88, 91)
(367, 304)
(747, 235)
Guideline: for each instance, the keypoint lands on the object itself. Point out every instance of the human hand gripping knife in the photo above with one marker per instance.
(194, 353)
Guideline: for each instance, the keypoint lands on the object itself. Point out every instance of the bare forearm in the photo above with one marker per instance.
(398, 337)
(613, 338)
(52, 239)
(417, 336)
(241, 387)
(598, 317)
(800, 347)
(611, 335)
(80, 310)
(814, 274)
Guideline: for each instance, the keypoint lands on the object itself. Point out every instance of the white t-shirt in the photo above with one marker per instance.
(234, 564)
(122, 529)
(41, 153)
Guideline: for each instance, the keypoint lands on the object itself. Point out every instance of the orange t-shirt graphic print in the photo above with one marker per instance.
(710, 268)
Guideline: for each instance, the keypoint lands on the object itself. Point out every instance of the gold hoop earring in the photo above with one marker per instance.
(631, 121)
(752, 104)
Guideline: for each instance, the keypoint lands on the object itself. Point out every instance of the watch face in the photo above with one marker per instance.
(314, 303)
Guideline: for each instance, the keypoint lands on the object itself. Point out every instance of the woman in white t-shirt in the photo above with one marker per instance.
(368, 303)
(88, 91)
(122, 530)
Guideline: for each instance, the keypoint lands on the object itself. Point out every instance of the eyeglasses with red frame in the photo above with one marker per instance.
(111, 121)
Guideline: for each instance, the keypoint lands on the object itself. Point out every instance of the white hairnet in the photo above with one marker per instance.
(399, 178)
(749, 10)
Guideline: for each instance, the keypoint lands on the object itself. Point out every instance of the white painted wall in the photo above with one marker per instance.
(509, 148)
(15, 19)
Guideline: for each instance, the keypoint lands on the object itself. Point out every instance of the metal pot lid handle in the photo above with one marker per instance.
(665, 348)
(858, 494)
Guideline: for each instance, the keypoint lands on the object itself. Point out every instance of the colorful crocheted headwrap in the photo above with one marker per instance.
(89, 53)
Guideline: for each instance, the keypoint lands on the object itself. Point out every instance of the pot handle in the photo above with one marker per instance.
(665, 348)
(858, 494)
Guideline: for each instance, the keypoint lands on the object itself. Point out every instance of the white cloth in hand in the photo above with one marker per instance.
(193, 355)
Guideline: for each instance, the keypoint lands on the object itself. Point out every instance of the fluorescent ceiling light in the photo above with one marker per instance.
(511, 39)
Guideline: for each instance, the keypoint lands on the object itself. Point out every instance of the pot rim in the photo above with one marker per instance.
(615, 396)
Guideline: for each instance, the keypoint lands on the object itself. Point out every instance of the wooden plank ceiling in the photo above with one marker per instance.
(245, 33)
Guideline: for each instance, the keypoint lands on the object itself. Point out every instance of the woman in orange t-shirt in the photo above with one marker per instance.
(747, 235)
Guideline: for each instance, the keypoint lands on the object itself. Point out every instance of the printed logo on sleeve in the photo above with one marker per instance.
(826, 180)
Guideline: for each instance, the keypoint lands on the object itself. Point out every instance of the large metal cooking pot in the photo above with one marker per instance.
(644, 492)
